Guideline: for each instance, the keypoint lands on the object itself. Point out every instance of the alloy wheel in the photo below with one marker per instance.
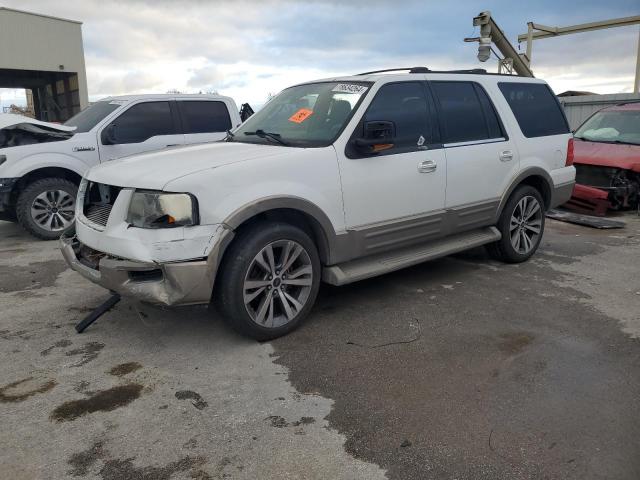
(526, 225)
(278, 283)
(53, 210)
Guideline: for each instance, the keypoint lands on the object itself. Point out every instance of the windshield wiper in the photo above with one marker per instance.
(272, 136)
(229, 137)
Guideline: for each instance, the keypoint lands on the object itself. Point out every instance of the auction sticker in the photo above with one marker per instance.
(301, 115)
(349, 88)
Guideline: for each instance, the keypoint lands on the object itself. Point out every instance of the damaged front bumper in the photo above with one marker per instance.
(171, 283)
(6, 187)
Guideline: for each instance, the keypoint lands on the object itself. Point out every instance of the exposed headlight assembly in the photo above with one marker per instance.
(150, 209)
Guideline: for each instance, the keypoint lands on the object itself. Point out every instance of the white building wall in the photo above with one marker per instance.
(31, 41)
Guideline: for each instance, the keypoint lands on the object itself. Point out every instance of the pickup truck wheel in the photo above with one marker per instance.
(521, 224)
(46, 208)
(269, 281)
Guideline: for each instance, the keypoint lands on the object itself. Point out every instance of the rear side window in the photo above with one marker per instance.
(143, 121)
(205, 117)
(405, 105)
(536, 109)
(466, 113)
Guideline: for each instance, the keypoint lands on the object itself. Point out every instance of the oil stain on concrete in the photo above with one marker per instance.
(15, 391)
(87, 352)
(101, 401)
(124, 369)
(59, 344)
(32, 276)
(83, 462)
(198, 401)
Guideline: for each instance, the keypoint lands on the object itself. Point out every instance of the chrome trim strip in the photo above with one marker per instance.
(474, 142)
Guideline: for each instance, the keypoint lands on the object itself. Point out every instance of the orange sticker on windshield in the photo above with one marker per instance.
(301, 115)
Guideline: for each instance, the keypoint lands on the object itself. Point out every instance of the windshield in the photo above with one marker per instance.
(91, 116)
(311, 115)
(612, 126)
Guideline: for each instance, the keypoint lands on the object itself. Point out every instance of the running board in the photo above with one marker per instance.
(390, 261)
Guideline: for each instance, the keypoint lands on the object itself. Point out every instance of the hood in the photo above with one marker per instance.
(18, 130)
(12, 120)
(614, 155)
(154, 170)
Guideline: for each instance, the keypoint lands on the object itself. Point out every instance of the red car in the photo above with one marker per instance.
(607, 157)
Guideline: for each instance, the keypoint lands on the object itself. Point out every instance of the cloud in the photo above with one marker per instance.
(247, 49)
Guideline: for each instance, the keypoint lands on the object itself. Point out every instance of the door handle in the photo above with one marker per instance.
(427, 166)
(506, 156)
(173, 145)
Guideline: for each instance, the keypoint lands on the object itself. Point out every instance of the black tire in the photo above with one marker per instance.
(504, 249)
(27, 197)
(228, 295)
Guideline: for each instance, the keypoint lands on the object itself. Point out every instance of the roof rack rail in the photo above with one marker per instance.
(481, 71)
(411, 70)
(626, 102)
(425, 70)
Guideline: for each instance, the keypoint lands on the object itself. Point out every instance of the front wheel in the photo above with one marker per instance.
(269, 280)
(521, 225)
(46, 207)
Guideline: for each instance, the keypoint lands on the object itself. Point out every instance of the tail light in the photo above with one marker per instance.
(569, 161)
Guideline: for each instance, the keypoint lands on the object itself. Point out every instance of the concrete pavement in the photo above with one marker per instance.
(460, 368)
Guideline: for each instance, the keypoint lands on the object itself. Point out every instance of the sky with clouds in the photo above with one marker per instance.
(248, 49)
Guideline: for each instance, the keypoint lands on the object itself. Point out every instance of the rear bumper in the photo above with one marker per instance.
(176, 283)
(561, 194)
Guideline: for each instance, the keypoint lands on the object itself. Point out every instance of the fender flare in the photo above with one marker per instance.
(323, 227)
(529, 172)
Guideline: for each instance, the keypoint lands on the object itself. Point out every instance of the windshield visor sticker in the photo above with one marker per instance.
(117, 102)
(350, 88)
(301, 115)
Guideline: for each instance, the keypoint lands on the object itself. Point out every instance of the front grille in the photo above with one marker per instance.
(98, 202)
(98, 213)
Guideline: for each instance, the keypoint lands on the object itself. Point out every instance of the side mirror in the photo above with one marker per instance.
(378, 136)
(108, 136)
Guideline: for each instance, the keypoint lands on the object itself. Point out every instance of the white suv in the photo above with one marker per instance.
(41, 164)
(335, 180)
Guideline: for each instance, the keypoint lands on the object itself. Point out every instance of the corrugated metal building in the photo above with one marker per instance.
(45, 55)
(580, 107)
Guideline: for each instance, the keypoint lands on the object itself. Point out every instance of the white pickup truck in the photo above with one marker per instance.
(41, 163)
(335, 180)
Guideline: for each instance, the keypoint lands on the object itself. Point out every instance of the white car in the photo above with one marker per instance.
(41, 163)
(335, 180)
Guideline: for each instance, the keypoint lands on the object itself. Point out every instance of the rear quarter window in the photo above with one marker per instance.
(205, 116)
(536, 109)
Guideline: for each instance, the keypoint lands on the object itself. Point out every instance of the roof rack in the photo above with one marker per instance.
(411, 70)
(626, 102)
(425, 70)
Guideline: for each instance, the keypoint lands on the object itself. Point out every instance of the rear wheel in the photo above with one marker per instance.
(521, 225)
(46, 208)
(269, 280)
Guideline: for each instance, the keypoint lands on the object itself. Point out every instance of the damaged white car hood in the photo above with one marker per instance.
(155, 170)
(18, 130)
(13, 120)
